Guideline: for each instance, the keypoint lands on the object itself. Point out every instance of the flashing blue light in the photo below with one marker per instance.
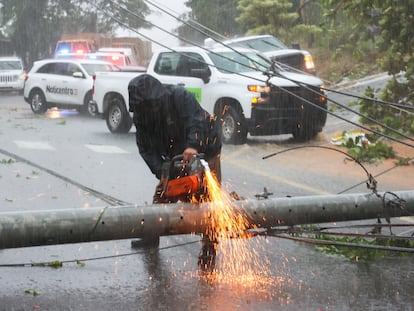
(63, 51)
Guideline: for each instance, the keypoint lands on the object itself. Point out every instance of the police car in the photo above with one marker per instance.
(117, 59)
(63, 83)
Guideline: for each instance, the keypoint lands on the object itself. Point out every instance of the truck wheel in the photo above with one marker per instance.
(118, 119)
(37, 101)
(88, 108)
(311, 125)
(233, 128)
(304, 131)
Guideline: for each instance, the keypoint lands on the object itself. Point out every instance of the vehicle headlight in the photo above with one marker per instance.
(309, 65)
(264, 91)
(259, 100)
(259, 88)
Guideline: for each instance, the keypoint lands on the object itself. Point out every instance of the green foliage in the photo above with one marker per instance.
(364, 147)
(33, 292)
(7, 161)
(54, 264)
(403, 161)
(308, 34)
(394, 117)
(217, 15)
(370, 153)
(386, 26)
(80, 263)
(365, 254)
(267, 17)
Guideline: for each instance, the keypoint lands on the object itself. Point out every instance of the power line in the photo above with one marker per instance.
(269, 73)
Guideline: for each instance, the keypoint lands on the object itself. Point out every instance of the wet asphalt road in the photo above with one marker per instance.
(112, 276)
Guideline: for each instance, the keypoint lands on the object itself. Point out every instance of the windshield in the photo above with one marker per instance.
(264, 44)
(92, 68)
(10, 65)
(234, 62)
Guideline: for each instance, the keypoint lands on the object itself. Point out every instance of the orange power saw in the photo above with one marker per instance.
(183, 181)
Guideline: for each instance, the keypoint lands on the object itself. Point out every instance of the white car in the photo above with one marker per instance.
(63, 83)
(11, 74)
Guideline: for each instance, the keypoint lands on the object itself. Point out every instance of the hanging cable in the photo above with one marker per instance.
(80, 261)
(371, 182)
(309, 88)
(104, 197)
(346, 244)
(402, 107)
(269, 74)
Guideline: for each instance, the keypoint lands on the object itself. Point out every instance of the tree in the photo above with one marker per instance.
(267, 17)
(390, 26)
(217, 15)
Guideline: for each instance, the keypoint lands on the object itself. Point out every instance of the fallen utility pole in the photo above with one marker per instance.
(49, 227)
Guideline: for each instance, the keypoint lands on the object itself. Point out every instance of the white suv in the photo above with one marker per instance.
(11, 74)
(63, 83)
(273, 48)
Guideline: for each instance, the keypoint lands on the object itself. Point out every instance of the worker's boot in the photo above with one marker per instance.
(207, 256)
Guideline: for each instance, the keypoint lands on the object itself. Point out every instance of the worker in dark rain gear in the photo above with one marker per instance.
(169, 121)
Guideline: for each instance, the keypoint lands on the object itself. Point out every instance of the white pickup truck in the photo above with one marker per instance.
(229, 84)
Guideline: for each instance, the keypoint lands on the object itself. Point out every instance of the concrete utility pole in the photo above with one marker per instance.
(34, 228)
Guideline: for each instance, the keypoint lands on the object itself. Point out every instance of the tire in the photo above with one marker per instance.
(233, 127)
(37, 101)
(117, 117)
(304, 131)
(310, 126)
(87, 108)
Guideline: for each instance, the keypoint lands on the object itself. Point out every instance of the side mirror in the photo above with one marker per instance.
(204, 74)
(296, 46)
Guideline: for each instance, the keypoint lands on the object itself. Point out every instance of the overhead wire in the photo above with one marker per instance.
(371, 182)
(82, 261)
(402, 107)
(283, 76)
(178, 37)
(104, 197)
(345, 244)
(211, 31)
(306, 86)
(268, 73)
(116, 201)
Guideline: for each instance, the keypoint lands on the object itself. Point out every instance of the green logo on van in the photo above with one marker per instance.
(196, 91)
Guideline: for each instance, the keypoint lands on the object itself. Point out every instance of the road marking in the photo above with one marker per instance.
(106, 149)
(280, 179)
(37, 145)
(234, 159)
